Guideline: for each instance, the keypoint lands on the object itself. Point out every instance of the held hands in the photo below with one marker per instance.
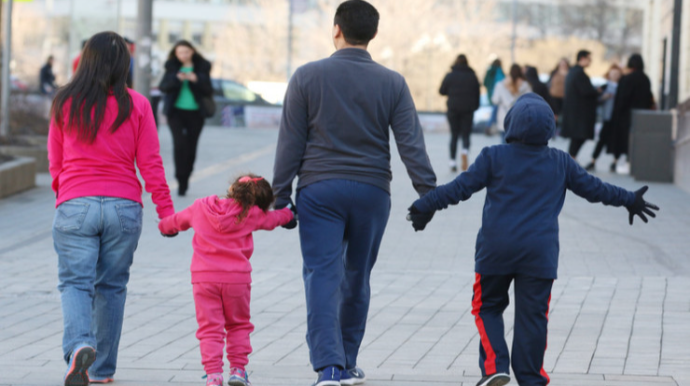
(160, 228)
(641, 207)
(419, 219)
(293, 223)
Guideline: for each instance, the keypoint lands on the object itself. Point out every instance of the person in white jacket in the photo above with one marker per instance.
(507, 92)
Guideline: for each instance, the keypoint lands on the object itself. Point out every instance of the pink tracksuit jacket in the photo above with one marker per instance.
(222, 246)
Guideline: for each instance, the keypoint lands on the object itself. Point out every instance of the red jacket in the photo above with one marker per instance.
(222, 245)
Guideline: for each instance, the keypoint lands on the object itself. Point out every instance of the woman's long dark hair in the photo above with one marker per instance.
(184, 43)
(102, 71)
(636, 63)
(514, 75)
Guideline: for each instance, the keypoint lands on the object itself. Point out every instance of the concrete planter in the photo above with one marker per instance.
(32, 146)
(17, 175)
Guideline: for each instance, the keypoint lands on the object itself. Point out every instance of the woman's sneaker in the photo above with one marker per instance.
(352, 377)
(78, 367)
(330, 376)
(497, 379)
(238, 377)
(214, 379)
(100, 380)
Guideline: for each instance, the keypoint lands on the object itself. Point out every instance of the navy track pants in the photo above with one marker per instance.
(341, 224)
(532, 298)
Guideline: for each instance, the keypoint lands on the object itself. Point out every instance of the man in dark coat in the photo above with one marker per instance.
(579, 105)
(47, 78)
(634, 92)
(462, 88)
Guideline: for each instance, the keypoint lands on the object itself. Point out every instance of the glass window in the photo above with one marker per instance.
(237, 92)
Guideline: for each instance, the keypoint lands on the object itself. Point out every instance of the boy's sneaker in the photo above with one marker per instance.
(78, 367)
(214, 379)
(100, 380)
(238, 377)
(497, 379)
(330, 376)
(352, 377)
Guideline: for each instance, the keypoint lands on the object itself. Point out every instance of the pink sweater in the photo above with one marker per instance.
(106, 166)
(222, 247)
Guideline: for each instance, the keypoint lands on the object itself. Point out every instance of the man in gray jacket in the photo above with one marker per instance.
(335, 136)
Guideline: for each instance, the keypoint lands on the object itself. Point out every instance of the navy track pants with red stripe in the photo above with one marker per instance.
(532, 297)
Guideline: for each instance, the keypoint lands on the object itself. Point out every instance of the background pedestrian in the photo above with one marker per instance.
(494, 75)
(507, 92)
(47, 78)
(187, 85)
(100, 130)
(537, 86)
(579, 105)
(607, 99)
(634, 92)
(557, 88)
(462, 88)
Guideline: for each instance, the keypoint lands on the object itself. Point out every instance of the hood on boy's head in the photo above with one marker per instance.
(530, 121)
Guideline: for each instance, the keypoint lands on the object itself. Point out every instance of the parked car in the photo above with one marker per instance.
(231, 100)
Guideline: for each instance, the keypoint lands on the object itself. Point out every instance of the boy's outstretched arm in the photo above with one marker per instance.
(594, 190)
(461, 188)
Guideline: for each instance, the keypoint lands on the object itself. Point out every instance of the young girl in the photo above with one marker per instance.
(221, 272)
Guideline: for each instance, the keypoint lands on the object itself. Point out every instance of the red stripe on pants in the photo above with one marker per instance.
(543, 372)
(490, 362)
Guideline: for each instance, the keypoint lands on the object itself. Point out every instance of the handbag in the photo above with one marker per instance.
(209, 106)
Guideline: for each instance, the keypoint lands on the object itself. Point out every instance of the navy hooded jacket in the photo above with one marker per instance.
(525, 183)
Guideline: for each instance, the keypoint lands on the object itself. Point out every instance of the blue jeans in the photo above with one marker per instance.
(341, 226)
(95, 239)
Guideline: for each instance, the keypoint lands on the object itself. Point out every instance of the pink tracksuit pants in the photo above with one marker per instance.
(222, 311)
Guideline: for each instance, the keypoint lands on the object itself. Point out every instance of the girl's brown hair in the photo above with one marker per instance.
(613, 67)
(249, 190)
(515, 75)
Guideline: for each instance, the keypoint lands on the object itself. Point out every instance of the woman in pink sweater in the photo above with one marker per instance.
(221, 272)
(99, 130)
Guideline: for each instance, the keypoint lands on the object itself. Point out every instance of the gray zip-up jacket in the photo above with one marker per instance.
(335, 125)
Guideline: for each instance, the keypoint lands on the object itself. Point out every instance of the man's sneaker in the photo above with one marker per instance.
(238, 377)
(100, 380)
(352, 377)
(497, 379)
(214, 379)
(78, 367)
(330, 376)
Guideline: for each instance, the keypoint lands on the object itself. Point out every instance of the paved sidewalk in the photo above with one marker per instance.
(620, 310)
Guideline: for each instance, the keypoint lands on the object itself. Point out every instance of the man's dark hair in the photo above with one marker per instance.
(358, 20)
(582, 54)
(636, 63)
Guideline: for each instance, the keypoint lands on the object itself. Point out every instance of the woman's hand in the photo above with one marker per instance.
(192, 77)
(181, 76)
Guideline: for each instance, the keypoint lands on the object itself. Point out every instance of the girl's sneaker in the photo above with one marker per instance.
(238, 377)
(215, 379)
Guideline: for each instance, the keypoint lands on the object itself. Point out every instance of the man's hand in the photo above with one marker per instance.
(290, 205)
(641, 207)
(419, 219)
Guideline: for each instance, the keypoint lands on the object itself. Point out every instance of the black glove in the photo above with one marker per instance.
(641, 207)
(293, 223)
(172, 235)
(419, 219)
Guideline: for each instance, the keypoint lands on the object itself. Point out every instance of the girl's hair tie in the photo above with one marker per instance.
(247, 179)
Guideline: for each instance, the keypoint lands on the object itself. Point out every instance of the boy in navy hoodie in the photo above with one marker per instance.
(525, 183)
